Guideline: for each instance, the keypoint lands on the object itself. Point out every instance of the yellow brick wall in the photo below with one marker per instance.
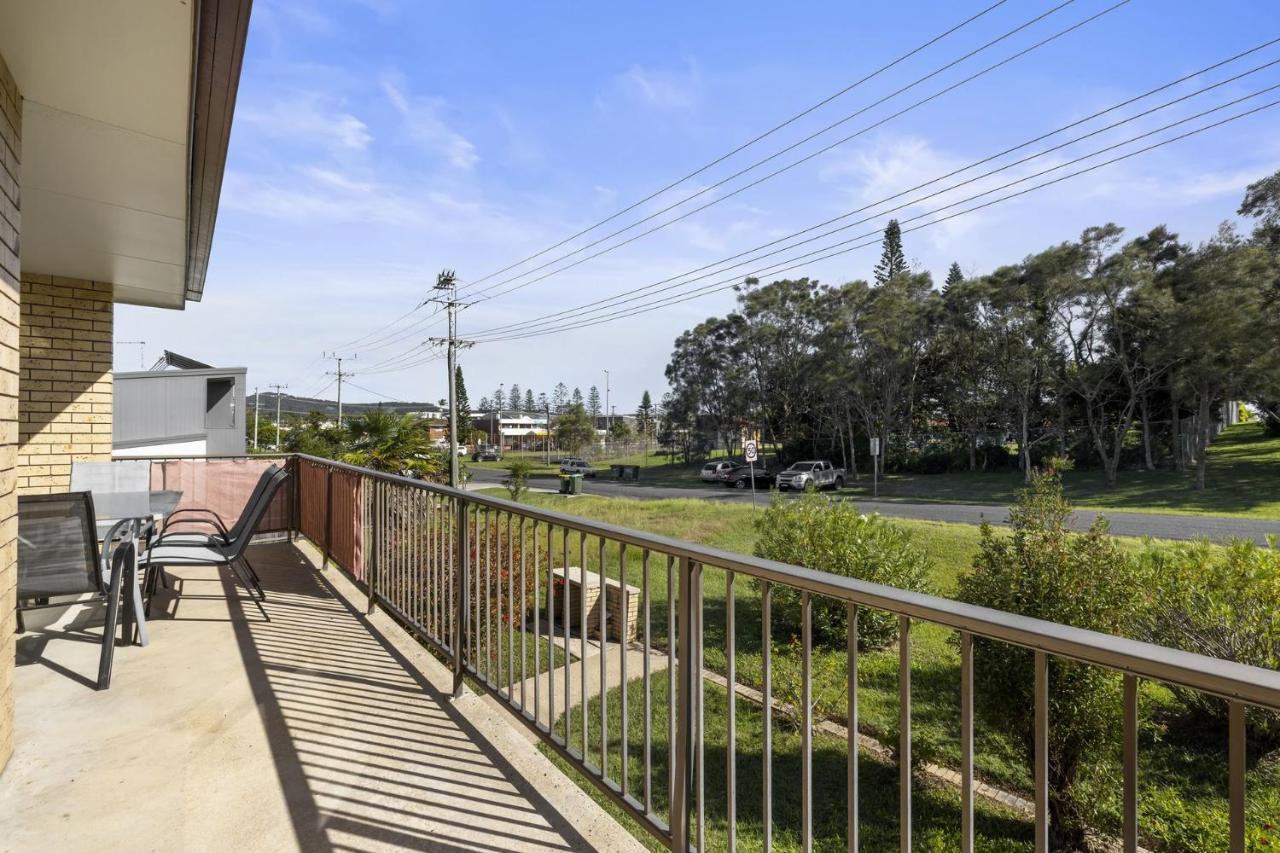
(64, 402)
(10, 226)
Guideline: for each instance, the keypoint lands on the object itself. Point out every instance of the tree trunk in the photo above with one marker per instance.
(1026, 450)
(1175, 416)
(1147, 459)
(973, 451)
(1202, 443)
(853, 448)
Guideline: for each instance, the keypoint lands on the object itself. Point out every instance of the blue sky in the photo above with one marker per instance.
(378, 141)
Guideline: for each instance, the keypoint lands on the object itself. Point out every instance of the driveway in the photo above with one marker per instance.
(1159, 526)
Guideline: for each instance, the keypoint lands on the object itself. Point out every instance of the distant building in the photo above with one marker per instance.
(180, 407)
(510, 431)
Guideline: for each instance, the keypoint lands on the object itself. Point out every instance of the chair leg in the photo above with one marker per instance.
(253, 575)
(109, 627)
(22, 626)
(235, 570)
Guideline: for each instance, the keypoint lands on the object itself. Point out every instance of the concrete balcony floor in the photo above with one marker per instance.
(313, 727)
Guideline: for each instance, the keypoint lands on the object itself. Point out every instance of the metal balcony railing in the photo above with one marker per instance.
(471, 577)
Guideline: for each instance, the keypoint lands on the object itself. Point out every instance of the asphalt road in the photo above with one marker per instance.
(1216, 528)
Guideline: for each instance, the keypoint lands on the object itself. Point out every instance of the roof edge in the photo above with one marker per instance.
(220, 32)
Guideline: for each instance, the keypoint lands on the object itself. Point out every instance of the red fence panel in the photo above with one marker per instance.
(224, 486)
(331, 513)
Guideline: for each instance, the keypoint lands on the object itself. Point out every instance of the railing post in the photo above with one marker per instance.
(295, 504)
(463, 568)
(374, 563)
(328, 514)
(686, 736)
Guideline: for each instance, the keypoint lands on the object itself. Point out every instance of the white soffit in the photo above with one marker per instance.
(106, 87)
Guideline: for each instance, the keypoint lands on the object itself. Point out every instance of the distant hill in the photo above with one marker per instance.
(291, 405)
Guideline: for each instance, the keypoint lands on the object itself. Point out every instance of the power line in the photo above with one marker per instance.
(751, 141)
(801, 160)
(735, 281)
(619, 299)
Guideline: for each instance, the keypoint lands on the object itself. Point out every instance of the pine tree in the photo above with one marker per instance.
(593, 401)
(530, 405)
(499, 400)
(954, 277)
(644, 414)
(543, 402)
(892, 261)
(560, 397)
(514, 400)
(576, 398)
(463, 404)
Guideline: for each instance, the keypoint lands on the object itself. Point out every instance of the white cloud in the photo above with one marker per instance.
(308, 118)
(678, 89)
(422, 121)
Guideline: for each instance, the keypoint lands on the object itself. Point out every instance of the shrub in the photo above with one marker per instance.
(834, 537)
(1220, 602)
(517, 481)
(1084, 580)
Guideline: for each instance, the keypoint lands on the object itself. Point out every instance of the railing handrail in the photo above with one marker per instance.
(1228, 679)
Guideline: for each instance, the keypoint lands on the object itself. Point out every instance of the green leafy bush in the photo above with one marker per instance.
(834, 537)
(517, 481)
(1221, 602)
(1084, 580)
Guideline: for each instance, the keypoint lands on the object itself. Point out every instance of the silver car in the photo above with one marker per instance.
(712, 471)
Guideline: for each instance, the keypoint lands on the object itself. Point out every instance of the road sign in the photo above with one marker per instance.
(750, 451)
(875, 447)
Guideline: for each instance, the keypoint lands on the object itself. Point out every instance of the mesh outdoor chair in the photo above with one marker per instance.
(58, 555)
(166, 551)
(198, 516)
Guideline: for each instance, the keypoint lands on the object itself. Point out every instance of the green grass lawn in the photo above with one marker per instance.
(1184, 780)
(1243, 478)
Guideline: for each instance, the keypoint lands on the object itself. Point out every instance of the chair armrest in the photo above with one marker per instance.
(196, 509)
(126, 531)
(212, 519)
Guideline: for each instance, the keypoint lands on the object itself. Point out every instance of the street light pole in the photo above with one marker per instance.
(608, 422)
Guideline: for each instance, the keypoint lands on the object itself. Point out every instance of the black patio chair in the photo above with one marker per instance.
(222, 536)
(58, 555)
(169, 552)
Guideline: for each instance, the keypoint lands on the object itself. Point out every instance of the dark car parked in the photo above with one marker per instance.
(740, 477)
(486, 454)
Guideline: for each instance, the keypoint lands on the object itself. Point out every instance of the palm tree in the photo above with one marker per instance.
(395, 444)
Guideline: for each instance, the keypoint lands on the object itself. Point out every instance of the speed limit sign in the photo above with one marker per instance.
(750, 451)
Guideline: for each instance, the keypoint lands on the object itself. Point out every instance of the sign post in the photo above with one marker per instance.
(875, 467)
(752, 451)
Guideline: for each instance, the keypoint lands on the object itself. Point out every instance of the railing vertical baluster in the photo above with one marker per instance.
(700, 727)
(622, 658)
(491, 533)
(495, 617)
(328, 526)
(671, 686)
(460, 610)
(966, 742)
(582, 640)
(551, 641)
(524, 608)
(419, 564)
(766, 687)
(648, 691)
(806, 722)
(1237, 743)
(1041, 740)
(374, 564)
(904, 734)
(851, 770)
(565, 619)
(1130, 807)
(731, 675)
(685, 752)
(511, 611)
(602, 604)
(478, 573)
